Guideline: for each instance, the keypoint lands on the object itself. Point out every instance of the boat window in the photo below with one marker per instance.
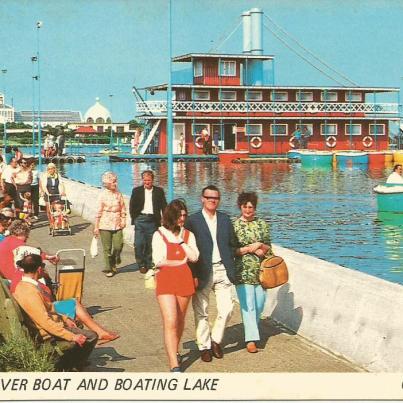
(201, 95)
(353, 129)
(353, 96)
(227, 95)
(376, 130)
(198, 127)
(328, 96)
(279, 130)
(303, 96)
(253, 129)
(197, 68)
(279, 96)
(253, 96)
(227, 68)
(328, 129)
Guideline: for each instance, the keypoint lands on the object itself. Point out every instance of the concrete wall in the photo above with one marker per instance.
(84, 202)
(347, 312)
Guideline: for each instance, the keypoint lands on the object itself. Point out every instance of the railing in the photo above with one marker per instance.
(274, 107)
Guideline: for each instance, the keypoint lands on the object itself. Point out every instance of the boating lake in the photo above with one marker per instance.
(330, 213)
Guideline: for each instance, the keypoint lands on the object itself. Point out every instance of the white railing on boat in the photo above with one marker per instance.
(274, 107)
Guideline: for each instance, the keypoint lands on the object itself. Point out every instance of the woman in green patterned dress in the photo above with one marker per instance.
(253, 244)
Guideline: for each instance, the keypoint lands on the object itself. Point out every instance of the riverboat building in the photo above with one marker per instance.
(234, 99)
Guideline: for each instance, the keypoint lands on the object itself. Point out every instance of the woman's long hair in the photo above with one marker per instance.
(172, 213)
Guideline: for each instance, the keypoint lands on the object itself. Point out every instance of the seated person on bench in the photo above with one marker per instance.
(71, 308)
(49, 324)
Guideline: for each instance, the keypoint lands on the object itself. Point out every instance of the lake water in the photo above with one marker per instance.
(328, 213)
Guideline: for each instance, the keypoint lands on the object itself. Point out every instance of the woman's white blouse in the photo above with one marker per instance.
(159, 247)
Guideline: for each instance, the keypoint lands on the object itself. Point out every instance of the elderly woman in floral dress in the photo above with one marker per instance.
(253, 244)
(110, 221)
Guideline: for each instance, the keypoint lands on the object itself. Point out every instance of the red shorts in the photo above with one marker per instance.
(176, 280)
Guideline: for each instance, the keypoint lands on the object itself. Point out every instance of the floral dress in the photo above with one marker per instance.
(247, 232)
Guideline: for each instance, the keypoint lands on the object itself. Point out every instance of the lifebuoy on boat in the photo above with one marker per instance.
(256, 142)
(331, 141)
(367, 141)
(199, 142)
(291, 142)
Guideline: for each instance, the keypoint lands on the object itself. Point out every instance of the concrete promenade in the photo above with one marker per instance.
(124, 305)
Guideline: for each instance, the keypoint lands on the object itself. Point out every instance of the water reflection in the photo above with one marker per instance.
(391, 232)
(327, 212)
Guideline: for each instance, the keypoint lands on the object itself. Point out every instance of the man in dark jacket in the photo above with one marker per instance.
(146, 205)
(215, 270)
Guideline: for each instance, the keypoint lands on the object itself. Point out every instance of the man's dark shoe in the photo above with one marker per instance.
(143, 270)
(217, 350)
(206, 355)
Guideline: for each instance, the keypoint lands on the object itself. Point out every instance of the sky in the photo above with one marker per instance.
(95, 48)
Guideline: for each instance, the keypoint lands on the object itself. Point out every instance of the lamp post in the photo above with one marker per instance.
(111, 137)
(400, 113)
(169, 113)
(34, 78)
(4, 72)
(38, 78)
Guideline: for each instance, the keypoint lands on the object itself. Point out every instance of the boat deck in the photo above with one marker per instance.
(197, 157)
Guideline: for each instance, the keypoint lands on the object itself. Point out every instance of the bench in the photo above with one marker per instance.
(14, 320)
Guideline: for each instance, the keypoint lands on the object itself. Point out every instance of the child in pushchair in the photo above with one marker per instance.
(59, 220)
(26, 212)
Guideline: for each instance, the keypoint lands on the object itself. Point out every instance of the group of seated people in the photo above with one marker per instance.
(23, 270)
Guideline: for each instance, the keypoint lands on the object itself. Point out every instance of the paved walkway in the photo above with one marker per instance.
(123, 304)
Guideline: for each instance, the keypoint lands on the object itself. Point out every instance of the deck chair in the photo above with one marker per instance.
(70, 275)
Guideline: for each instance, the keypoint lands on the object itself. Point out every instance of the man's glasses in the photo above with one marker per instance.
(211, 197)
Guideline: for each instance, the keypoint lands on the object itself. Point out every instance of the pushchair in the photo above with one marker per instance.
(59, 210)
(69, 274)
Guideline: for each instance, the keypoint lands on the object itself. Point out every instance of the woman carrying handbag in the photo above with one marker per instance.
(110, 220)
(254, 244)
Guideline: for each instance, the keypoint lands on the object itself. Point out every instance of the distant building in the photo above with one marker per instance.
(6, 111)
(49, 118)
(99, 118)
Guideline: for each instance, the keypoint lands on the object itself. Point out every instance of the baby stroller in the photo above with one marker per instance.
(69, 274)
(59, 210)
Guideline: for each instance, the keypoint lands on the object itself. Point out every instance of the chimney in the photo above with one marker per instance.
(256, 25)
(253, 45)
(246, 23)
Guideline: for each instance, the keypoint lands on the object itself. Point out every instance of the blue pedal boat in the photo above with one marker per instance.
(351, 157)
(314, 158)
(294, 153)
(389, 198)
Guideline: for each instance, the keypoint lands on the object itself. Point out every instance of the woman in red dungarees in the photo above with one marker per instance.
(173, 246)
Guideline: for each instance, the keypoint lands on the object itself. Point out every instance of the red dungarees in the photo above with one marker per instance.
(175, 280)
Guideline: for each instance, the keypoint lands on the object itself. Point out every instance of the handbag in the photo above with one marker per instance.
(149, 280)
(273, 272)
(94, 247)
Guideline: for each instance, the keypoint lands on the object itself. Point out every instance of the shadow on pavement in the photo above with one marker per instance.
(128, 268)
(102, 356)
(96, 309)
(75, 229)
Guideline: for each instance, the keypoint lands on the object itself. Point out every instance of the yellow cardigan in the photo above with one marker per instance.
(41, 312)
